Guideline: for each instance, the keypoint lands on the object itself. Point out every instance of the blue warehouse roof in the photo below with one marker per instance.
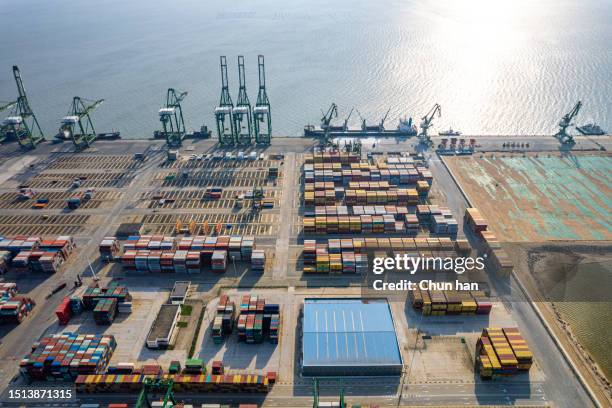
(349, 337)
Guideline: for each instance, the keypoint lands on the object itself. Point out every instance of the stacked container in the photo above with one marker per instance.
(257, 318)
(475, 220)
(258, 260)
(219, 261)
(105, 310)
(110, 249)
(68, 355)
(113, 290)
(223, 322)
(15, 309)
(502, 352)
(182, 383)
(63, 311)
(5, 261)
(444, 302)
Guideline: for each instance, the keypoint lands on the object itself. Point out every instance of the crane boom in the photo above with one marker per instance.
(7, 105)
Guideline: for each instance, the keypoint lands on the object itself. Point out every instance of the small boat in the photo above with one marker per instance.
(449, 132)
(591, 129)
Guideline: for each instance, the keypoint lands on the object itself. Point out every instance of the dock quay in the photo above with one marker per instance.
(139, 191)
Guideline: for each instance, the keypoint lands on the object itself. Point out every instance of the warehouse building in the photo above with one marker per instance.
(349, 337)
(162, 330)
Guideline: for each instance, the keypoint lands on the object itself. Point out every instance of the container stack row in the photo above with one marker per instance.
(223, 323)
(331, 255)
(502, 352)
(497, 256)
(113, 290)
(449, 302)
(191, 255)
(182, 383)
(31, 253)
(344, 174)
(65, 356)
(332, 157)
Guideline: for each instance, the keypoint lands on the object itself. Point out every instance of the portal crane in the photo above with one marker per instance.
(381, 126)
(325, 123)
(364, 125)
(345, 126)
(565, 122)
(156, 385)
(242, 113)
(426, 122)
(22, 123)
(171, 117)
(262, 113)
(223, 112)
(331, 113)
(77, 125)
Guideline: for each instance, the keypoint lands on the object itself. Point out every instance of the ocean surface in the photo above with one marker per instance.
(496, 67)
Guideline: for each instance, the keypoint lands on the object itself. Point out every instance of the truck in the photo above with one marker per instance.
(213, 193)
(41, 203)
(26, 193)
(75, 201)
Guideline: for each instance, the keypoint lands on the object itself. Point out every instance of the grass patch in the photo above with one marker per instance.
(186, 310)
(197, 331)
(181, 324)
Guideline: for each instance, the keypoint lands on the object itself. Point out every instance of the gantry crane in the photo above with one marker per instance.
(22, 123)
(242, 113)
(223, 112)
(566, 121)
(426, 122)
(156, 385)
(171, 117)
(262, 113)
(315, 395)
(4, 106)
(77, 125)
